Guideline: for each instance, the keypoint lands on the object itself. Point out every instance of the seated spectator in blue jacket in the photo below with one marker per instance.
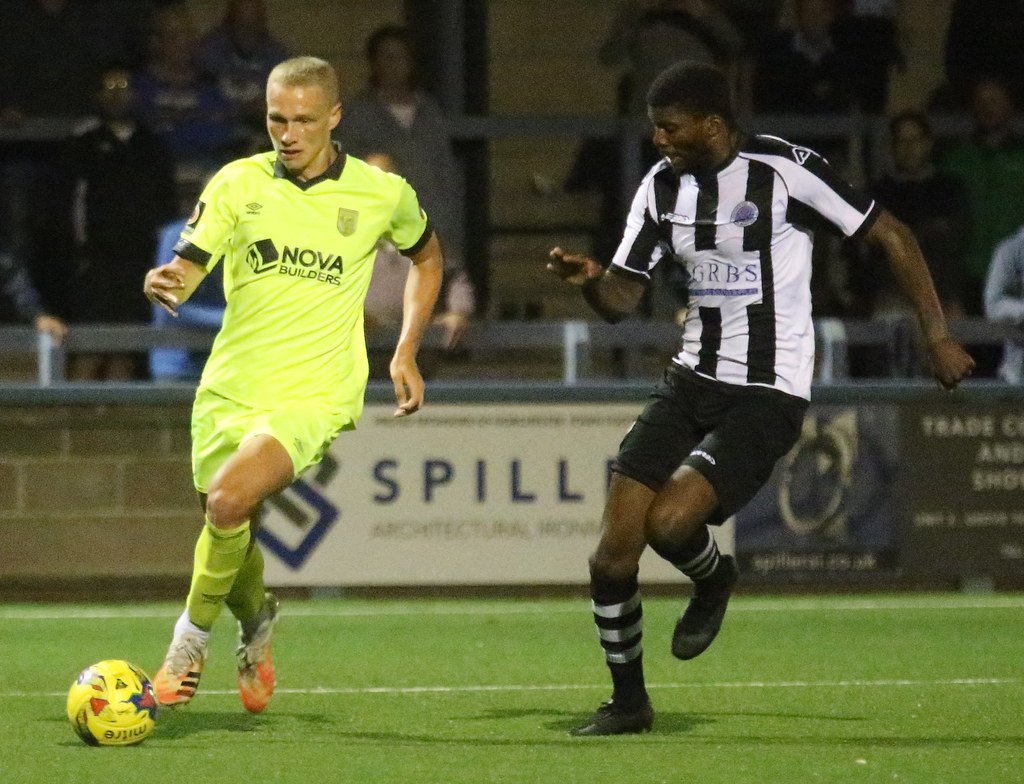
(1004, 303)
(204, 310)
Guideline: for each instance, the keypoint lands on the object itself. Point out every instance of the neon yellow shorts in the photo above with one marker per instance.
(219, 426)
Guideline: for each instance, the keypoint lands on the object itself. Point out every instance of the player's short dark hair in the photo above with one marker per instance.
(693, 87)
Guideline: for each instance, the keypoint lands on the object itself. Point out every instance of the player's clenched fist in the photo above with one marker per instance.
(573, 268)
(163, 286)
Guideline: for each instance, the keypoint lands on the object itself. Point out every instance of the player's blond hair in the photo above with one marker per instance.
(303, 71)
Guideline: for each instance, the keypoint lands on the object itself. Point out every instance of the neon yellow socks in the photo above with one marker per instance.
(220, 555)
(246, 598)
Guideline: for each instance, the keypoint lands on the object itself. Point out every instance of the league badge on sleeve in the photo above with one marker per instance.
(347, 221)
(197, 213)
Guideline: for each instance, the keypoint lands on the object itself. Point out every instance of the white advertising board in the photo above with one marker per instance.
(475, 494)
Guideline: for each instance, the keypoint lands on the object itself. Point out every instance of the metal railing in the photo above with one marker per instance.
(574, 341)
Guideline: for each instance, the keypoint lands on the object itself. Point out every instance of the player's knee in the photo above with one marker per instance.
(227, 508)
(668, 524)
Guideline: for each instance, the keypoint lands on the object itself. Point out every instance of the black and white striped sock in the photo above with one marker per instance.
(697, 557)
(618, 614)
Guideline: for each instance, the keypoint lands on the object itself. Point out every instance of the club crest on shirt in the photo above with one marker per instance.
(347, 221)
(744, 214)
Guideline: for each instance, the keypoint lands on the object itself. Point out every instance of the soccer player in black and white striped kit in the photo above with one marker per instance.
(739, 213)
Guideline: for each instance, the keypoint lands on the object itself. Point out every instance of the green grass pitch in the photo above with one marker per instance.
(907, 688)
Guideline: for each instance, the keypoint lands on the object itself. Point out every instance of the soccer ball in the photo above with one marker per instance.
(112, 703)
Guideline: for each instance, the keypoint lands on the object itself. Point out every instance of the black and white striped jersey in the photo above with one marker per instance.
(744, 235)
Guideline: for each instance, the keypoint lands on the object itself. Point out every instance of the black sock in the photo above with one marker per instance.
(618, 614)
(696, 557)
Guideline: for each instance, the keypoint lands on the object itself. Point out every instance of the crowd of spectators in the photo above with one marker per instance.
(166, 102)
(961, 194)
(111, 111)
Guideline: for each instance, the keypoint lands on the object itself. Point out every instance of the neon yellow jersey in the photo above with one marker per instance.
(298, 258)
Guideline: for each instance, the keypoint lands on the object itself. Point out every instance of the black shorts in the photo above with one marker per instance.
(732, 434)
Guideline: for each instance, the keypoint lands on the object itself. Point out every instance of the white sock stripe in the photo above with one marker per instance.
(616, 610)
(709, 549)
(705, 570)
(622, 657)
(621, 635)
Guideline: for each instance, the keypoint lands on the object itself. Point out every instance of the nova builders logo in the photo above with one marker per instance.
(308, 263)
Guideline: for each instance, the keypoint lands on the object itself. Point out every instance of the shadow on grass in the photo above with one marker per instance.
(671, 729)
(776, 715)
(183, 723)
(561, 720)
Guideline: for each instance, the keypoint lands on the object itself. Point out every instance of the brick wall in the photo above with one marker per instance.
(95, 491)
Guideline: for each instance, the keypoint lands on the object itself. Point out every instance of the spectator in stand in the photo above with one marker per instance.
(984, 39)
(1004, 303)
(22, 300)
(49, 59)
(405, 127)
(934, 205)
(753, 18)
(650, 35)
(383, 306)
(990, 164)
(123, 190)
(238, 54)
(869, 36)
(597, 167)
(203, 311)
(177, 101)
(756, 20)
(802, 69)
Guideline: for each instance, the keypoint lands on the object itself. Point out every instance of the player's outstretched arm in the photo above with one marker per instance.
(171, 284)
(421, 289)
(950, 363)
(612, 296)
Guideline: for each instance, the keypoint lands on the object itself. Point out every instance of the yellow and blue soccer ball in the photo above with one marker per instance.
(112, 703)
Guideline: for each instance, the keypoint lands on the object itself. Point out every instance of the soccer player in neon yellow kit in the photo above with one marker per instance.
(297, 229)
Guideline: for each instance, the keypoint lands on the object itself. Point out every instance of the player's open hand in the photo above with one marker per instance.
(163, 287)
(573, 268)
(409, 386)
(950, 363)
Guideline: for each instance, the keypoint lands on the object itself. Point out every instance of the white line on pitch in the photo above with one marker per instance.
(539, 607)
(839, 684)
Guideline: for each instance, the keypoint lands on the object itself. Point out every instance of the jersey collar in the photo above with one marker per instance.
(332, 172)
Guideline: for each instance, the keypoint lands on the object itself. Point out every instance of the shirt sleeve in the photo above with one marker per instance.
(640, 248)
(212, 221)
(409, 229)
(815, 187)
